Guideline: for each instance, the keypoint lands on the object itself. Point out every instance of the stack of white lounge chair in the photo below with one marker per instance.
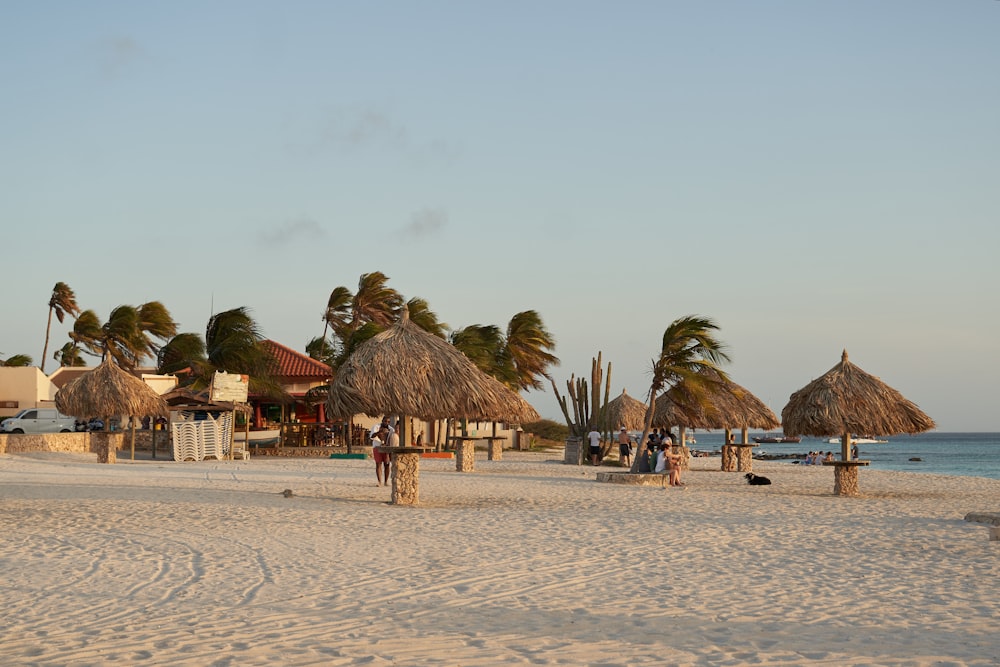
(196, 440)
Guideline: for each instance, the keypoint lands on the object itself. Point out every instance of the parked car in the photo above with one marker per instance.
(38, 420)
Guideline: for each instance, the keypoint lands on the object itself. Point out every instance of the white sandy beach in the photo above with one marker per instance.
(524, 561)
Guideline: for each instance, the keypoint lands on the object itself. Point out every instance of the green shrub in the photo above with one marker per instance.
(547, 429)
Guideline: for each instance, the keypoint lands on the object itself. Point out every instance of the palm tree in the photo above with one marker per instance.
(375, 302)
(128, 334)
(232, 343)
(527, 345)
(155, 322)
(183, 351)
(17, 360)
(323, 349)
(62, 301)
(69, 355)
(354, 318)
(356, 338)
(86, 333)
(689, 353)
(519, 359)
(484, 345)
(336, 316)
(425, 318)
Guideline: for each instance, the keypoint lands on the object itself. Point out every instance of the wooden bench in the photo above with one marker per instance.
(990, 518)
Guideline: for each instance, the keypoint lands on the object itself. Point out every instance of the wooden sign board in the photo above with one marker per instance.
(229, 387)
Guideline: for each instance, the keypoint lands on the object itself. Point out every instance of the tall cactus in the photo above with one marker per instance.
(589, 412)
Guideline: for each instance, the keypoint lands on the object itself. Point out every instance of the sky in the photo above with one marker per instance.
(814, 176)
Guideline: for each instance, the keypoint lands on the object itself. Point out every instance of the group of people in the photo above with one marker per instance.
(817, 458)
(659, 450)
(624, 445)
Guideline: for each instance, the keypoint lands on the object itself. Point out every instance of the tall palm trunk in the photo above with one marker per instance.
(45, 349)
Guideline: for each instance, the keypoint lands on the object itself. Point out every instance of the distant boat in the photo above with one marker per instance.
(776, 439)
(860, 440)
(259, 438)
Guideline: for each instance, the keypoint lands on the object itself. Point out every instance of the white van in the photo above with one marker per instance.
(38, 420)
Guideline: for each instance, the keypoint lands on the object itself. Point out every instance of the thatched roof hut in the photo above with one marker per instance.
(724, 404)
(626, 411)
(405, 370)
(848, 400)
(109, 390)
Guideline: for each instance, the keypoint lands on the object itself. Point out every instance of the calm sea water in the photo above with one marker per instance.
(969, 454)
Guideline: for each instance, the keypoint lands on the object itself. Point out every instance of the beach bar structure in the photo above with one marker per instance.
(848, 400)
(408, 372)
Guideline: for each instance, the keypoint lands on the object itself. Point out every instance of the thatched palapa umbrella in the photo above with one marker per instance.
(405, 370)
(720, 404)
(109, 391)
(409, 372)
(723, 404)
(626, 411)
(848, 400)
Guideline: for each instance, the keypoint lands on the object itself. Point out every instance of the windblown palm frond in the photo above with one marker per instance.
(528, 344)
(425, 318)
(61, 302)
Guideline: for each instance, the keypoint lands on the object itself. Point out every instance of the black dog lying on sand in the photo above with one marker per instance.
(756, 480)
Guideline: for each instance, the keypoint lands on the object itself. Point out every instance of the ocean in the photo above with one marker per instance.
(965, 454)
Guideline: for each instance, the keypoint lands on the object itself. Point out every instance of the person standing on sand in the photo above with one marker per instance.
(595, 445)
(381, 458)
(384, 424)
(625, 446)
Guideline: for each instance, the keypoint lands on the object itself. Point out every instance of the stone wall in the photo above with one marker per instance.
(78, 443)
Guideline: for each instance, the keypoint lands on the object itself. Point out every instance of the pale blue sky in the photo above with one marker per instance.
(813, 175)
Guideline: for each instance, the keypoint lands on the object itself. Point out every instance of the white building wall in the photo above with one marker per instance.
(25, 386)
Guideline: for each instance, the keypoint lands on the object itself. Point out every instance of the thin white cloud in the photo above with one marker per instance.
(292, 230)
(350, 131)
(116, 54)
(425, 223)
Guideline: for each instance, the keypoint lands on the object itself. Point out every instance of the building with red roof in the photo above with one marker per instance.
(297, 373)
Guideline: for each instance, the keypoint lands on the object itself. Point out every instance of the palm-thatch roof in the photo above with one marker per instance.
(848, 400)
(625, 411)
(722, 404)
(109, 390)
(405, 370)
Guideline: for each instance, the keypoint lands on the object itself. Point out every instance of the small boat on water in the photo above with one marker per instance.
(860, 440)
(776, 439)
